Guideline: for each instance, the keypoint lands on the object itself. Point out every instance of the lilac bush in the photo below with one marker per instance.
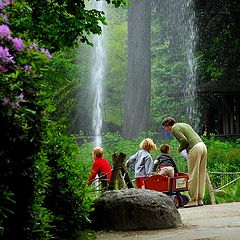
(5, 57)
(24, 111)
(18, 44)
(5, 33)
(42, 184)
(12, 56)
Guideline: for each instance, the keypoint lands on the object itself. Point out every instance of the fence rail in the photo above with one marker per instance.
(223, 179)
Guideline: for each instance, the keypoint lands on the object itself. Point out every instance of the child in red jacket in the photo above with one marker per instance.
(102, 167)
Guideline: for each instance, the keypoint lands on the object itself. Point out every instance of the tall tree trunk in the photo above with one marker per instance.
(138, 90)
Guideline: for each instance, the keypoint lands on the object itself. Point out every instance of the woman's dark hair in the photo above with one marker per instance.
(168, 121)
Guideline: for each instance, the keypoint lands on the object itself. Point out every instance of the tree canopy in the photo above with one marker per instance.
(58, 23)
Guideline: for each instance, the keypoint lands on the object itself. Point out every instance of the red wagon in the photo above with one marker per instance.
(170, 186)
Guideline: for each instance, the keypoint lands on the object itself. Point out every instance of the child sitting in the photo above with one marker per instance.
(102, 167)
(165, 163)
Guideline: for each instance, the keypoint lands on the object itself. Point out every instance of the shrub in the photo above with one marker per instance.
(42, 180)
(67, 195)
(24, 111)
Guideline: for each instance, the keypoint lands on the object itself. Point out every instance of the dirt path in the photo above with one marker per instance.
(220, 221)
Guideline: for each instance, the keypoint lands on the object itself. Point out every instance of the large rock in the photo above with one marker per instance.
(132, 209)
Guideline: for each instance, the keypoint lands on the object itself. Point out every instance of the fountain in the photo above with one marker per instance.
(190, 45)
(177, 29)
(97, 76)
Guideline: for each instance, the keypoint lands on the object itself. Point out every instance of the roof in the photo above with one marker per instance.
(226, 86)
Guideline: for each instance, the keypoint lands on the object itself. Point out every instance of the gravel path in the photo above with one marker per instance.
(220, 221)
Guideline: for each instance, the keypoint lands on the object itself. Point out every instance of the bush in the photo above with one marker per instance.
(67, 195)
(42, 180)
(223, 158)
(24, 112)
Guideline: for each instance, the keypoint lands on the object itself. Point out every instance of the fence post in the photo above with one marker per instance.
(118, 165)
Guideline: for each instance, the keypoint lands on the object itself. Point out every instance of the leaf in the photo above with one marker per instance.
(30, 111)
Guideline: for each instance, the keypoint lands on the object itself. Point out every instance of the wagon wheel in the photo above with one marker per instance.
(176, 200)
(185, 199)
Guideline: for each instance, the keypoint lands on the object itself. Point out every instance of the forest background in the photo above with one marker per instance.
(45, 145)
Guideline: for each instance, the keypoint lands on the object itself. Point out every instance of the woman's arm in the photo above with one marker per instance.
(181, 139)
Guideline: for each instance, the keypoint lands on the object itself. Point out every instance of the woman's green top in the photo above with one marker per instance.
(185, 135)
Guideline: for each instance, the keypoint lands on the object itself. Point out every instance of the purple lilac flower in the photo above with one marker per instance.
(15, 105)
(4, 18)
(5, 56)
(5, 32)
(18, 44)
(4, 3)
(21, 97)
(48, 55)
(27, 67)
(6, 101)
(33, 46)
(9, 1)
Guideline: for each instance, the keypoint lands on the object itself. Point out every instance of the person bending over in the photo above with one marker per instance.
(197, 158)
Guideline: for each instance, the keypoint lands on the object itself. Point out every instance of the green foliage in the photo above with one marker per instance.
(57, 24)
(114, 143)
(43, 172)
(219, 43)
(24, 112)
(6, 206)
(86, 235)
(67, 195)
(61, 197)
(41, 218)
(42, 180)
(116, 72)
(66, 80)
(217, 62)
(168, 76)
(223, 158)
(229, 194)
(223, 155)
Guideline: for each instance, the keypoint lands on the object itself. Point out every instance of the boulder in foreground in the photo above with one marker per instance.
(132, 209)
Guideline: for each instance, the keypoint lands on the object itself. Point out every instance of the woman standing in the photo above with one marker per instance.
(197, 158)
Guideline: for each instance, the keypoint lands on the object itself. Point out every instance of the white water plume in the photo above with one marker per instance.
(179, 28)
(190, 43)
(97, 77)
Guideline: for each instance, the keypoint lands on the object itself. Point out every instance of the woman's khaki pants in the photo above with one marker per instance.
(197, 167)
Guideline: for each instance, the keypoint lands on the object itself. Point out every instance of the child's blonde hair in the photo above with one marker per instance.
(98, 152)
(148, 144)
